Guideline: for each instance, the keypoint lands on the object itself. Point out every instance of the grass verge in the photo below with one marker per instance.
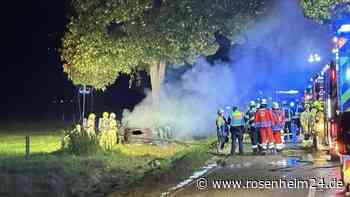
(50, 172)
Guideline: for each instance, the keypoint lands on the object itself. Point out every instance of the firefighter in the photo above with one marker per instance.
(298, 111)
(103, 122)
(104, 131)
(112, 131)
(319, 125)
(294, 124)
(220, 130)
(250, 123)
(90, 130)
(263, 121)
(287, 112)
(236, 122)
(307, 121)
(277, 126)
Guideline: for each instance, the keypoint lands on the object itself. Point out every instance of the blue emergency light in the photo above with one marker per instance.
(292, 104)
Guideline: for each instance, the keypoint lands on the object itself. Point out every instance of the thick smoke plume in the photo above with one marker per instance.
(273, 57)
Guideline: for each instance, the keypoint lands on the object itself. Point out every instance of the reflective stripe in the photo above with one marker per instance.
(254, 146)
(279, 146)
(257, 125)
(237, 118)
(271, 145)
(278, 127)
(263, 124)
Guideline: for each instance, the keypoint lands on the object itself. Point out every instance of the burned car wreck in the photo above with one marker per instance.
(156, 135)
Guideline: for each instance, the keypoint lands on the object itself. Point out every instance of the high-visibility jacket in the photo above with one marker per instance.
(277, 120)
(220, 121)
(237, 118)
(307, 120)
(263, 118)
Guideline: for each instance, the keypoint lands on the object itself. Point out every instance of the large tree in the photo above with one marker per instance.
(107, 37)
(325, 11)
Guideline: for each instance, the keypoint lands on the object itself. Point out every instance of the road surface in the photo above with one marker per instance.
(294, 173)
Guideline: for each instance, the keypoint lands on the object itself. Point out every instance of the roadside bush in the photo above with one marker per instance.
(79, 142)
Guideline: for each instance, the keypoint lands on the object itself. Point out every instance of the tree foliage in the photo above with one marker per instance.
(324, 10)
(107, 37)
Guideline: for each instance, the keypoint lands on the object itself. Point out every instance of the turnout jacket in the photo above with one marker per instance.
(277, 120)
(263, 118)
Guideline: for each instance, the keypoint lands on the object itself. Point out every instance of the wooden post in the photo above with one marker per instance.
(27, 147)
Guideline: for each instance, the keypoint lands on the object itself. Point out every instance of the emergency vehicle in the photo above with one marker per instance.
(337, 100)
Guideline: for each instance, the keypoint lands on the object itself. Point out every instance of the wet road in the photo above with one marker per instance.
(294, 173)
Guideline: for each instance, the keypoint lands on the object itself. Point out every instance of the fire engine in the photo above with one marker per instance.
(337, 100)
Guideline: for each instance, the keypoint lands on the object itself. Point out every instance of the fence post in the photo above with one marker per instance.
(27, 147)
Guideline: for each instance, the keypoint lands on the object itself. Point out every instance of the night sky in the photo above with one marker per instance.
(32, 76)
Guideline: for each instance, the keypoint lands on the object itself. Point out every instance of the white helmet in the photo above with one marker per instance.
(263, 102)
(220, 111)
(112, 115)
(275, 105)
(252, 104)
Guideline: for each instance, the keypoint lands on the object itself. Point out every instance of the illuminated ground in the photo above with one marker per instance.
(287, 167)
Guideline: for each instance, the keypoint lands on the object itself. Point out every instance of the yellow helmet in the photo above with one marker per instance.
(78, 127)
(92, 115)
(105, 115)
(317, 105)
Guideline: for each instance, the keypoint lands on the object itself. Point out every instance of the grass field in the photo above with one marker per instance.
(45, 137)
(49, 171)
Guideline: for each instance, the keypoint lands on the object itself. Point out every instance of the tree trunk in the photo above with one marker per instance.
(157, 73)
(157, 3)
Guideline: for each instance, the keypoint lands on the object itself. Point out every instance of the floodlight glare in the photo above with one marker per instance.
(335, 39)
(344, 29)
(292, 104)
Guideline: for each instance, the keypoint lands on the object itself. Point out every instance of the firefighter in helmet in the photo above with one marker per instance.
(287, 112)
(263, 121)
(104, 131)
(307, 119)
(221, 129)
(319, 125)
(90, 130)
(113, 129)
(104, 122)
(277, 125)
(250, 124)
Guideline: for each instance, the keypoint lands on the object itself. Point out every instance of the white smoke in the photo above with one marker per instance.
(275, 57)
(190, 105)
